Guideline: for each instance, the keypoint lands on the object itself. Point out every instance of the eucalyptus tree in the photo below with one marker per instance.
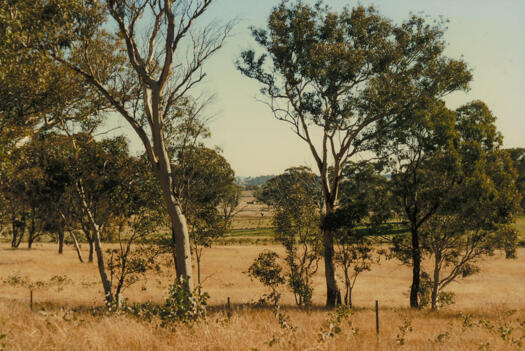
(144, 60)
(295, 197)
(476, 216)
(455, 189)
(210, 196)
(341, 80)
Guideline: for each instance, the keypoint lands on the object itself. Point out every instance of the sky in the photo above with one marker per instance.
(487, 34)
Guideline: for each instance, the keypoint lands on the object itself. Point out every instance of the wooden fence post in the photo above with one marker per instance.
(377, 319)
(229, 309)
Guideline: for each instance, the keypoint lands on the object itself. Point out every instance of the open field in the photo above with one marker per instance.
(62, 320)
(251, 213)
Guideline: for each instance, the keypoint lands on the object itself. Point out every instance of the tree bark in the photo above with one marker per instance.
(181, 249)
(416, 269)
(89, 238)
(106, 284)
(96, 238)
(332, 290)
(435, 283)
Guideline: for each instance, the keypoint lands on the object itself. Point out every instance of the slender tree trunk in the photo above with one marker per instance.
(435, 283)
(60, 238)
(32, 230)
(77, 247)
(332, 291)
(348, 287)
(101, 265)
(91, 250)
(416, 269)
(198, 259)
(95, 229)
(89, 238)
(181, 249)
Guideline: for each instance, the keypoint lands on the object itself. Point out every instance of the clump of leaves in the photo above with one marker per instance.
(267, 270)
(183, 305)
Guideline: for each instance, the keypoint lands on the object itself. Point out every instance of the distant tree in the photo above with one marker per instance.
(295, 197)
(351, 76)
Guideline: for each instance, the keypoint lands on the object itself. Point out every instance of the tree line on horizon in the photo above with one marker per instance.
(370, 86)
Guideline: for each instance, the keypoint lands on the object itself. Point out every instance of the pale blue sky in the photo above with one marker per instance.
(489, 34)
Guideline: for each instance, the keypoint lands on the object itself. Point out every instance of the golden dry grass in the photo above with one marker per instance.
(490, 295)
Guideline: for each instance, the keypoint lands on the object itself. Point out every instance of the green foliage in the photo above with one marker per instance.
(353, 76)
(518, 158)
(183, 305)
(455, 189)
(363, 211)
(267, 270)
(209, 209)
(295, 199)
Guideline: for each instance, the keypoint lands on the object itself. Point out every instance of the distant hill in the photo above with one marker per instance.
(251, 181)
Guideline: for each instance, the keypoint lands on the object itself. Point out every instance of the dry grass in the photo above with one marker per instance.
(491, 296)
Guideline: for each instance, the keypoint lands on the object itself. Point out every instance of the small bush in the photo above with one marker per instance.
(182, 305)
(266, 270)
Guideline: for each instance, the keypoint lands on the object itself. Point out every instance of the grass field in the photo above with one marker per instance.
(489, 306)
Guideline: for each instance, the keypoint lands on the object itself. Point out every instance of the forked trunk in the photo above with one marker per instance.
(18, 228)
(101, 265)
(96, 238)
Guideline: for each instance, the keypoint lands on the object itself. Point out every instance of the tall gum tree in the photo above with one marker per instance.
(349, 76)
(144, 60)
